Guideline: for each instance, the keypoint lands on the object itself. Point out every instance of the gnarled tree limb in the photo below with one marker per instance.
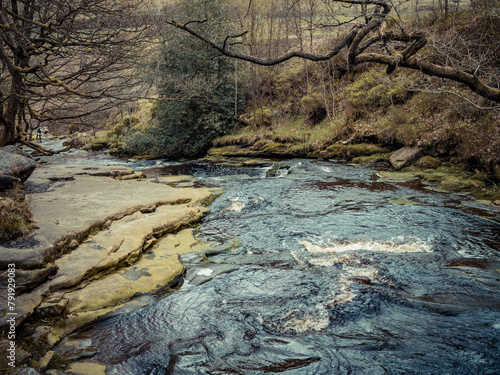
(363, 46)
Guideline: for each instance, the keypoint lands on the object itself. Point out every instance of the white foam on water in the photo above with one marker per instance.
(299, 321)
(496, 326)
(365, 272)
(386, 247)
(205, 272)
(295, 256)
(235, 206)
(345, 294)
(330, 261)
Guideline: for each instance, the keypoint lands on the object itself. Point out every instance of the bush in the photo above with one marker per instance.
(369, 90)
(395, 127)
(313, 107)
(260, 116)
(479, 143)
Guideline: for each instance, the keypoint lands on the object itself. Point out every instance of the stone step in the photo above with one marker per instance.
(121, 243)
(157, 268)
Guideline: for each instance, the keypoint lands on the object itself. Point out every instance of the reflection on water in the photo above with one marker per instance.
(335, 273)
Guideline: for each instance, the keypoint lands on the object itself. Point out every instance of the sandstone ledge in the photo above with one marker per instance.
(76, 198)
(91, 224)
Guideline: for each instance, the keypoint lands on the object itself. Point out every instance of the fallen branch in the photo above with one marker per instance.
(43, 150)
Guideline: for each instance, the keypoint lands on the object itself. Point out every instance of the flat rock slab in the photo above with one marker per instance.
(74, 198)
(157, 268)
(121, 243)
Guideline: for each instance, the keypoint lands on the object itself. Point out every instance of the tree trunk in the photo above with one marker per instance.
(8, 132)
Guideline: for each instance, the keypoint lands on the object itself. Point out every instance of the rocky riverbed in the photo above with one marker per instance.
(297, 257)
(96, 248)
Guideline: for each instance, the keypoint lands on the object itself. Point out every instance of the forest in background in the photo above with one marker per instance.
(159, 91)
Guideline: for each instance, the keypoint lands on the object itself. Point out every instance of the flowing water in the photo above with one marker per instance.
(321, 269)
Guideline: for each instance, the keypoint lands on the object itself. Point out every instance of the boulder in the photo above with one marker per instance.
(15, 150)
(405, 157)
(16, 165)
(279, 169)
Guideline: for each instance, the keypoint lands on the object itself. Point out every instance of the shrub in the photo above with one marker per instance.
(369, 90)
(395, 127)
(479, 143)
(260, 116)
(313, 107)
(197, 95)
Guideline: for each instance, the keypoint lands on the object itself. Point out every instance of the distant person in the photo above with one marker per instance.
(39, 134)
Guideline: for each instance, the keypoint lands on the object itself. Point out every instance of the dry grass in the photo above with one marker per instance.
(16, 220)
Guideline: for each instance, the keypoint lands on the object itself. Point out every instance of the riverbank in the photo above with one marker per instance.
(408, 163)
(98, 230)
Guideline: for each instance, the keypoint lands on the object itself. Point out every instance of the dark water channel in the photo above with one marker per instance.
(325, 271)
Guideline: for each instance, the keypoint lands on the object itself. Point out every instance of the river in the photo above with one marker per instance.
(322, 269)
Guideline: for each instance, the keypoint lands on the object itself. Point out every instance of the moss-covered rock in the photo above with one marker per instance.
(374, 158)
(350, 151)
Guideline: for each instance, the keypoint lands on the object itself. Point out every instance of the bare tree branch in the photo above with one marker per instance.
(362, 43)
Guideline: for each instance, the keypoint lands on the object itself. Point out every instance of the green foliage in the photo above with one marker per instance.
(125, 125)
(395, 127)
(340, 151)
(313, 107)
(261, 116)
(428, 162)
(197, 95)
(370, 90)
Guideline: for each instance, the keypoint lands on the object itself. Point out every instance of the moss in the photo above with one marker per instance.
(48, 259)
(428, 162)
(340, 151)
(97, 145)
(274, 147)
(388, 176)
(455, 184)
(231, 151)
(372, 158)
(58, 363)
(369, 90)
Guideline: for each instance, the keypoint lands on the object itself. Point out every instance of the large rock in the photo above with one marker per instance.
(15, 150)
(428, 162)
(405, 157)
(14, 164)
